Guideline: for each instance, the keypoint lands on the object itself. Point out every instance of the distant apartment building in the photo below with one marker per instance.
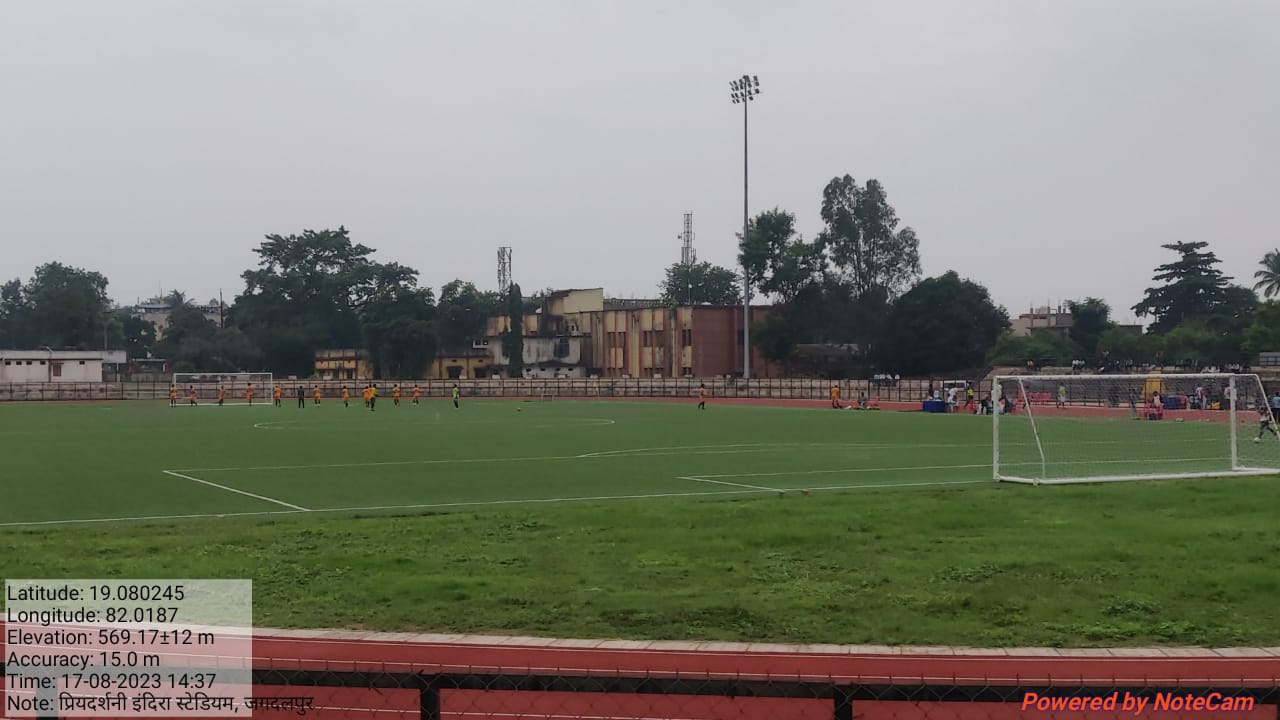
(1055, 320)
(157, 310)
(580, 333)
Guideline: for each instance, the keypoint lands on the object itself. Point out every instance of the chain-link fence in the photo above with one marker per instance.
(909, 391)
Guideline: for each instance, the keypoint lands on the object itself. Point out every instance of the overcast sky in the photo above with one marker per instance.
(1045, 149)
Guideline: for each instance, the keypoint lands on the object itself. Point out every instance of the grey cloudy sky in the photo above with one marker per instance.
(1045, 149)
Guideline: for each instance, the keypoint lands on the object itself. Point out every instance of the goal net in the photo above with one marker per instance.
(1092, 428)
(235, 388)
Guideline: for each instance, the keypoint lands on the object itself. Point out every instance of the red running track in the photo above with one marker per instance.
(524, 656)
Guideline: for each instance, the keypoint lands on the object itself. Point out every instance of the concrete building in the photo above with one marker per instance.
(47, 365)
(342, 364)
(156, 311)
(581, 333)
(1055, 320)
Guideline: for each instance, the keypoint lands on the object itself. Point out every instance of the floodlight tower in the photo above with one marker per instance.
(743, 91)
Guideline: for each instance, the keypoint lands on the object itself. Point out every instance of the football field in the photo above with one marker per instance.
(652, 519)
(145, 460)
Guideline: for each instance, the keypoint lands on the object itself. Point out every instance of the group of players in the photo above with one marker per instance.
(369, 393)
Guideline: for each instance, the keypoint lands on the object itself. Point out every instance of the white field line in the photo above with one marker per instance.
(299, 508)
(746, 490)
(372, 508)
(570, 423)
(758, 488)
(785, 473)
(648, 452)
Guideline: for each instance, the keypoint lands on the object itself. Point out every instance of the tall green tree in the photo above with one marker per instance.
(1268, 278)
(1090, 318)
(866, 247)
(701, 284)
(400, 332)
(307, 293)
(781, 264)
(941, 325)
(60, 306)
(869, 254)
(15, 316)
(1192, 287)
(513, 338)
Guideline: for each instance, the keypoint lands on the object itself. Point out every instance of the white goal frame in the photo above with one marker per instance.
(1232, 380)
(235, 383)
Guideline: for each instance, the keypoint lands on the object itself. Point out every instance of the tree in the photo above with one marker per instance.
(1263, 335)
(61, 306)
(861, 235)
(399, 331)
(779, 263)
(1129, 348)
(307, 293)
(1042, 347)
(1194, 344)
(138, 335)
(462, 311)
(701, 284)
(513, 338)
(873, 259)
(1269, 276)
(15, 316)
(1192, 288)
(194, 343)
(1090, 318)
(940, 325)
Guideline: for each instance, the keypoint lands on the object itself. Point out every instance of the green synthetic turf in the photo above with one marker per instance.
(638, 519)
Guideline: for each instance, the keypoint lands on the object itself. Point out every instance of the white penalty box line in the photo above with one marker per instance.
(237, 491)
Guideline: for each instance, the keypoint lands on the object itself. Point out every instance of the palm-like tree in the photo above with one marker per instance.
(1269, 276)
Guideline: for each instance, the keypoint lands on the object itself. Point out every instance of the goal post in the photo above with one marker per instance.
(1057, 429)
(235, 388)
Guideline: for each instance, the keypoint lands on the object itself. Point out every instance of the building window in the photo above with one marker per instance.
(56, 370)
(81, 362)
(686, 337)
(686, 371)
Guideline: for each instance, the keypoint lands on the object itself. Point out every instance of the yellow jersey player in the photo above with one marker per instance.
(277, 395)
(373, 397)
(702, 396)
(346, 397)
(395, 395)
(417, 393)
(222, 395)
(173, 395)
(248, 392)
